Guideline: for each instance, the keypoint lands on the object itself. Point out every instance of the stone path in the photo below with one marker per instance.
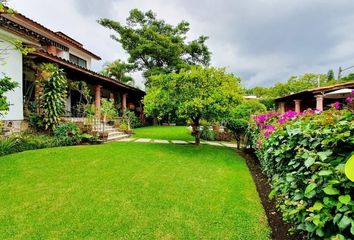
(161, 141)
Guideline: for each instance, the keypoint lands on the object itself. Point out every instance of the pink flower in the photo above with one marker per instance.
(336, 105)
(267, 133)
(349, 99)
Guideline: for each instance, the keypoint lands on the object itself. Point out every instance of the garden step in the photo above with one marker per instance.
(112, 134)
(117, 137)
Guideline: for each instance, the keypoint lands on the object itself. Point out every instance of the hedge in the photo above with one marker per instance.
(304, 156)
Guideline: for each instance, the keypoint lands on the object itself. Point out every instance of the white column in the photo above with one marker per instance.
(297, 105)
(319, 102)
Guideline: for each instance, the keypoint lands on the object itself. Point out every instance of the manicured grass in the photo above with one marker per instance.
(164, 132)
(129, 191)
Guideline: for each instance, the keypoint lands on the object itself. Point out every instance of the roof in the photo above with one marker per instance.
(315, 91)
(63, 37)
(68, 64)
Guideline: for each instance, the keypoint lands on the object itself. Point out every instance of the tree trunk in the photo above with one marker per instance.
(196, 131)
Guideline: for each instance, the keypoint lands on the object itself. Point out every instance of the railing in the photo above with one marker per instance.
(97, 124)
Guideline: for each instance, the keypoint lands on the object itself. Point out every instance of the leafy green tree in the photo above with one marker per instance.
(330, 75)
(349, 77)
(195, 93)
(118, 70)
(240, 115)
(155, 46)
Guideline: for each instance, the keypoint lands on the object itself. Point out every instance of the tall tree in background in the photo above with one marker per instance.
(330, 75)
(118, 70)
(155, 46)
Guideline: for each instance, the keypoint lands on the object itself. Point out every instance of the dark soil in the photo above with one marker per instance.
(279, 227)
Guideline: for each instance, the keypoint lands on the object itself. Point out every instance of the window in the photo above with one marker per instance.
(79, 61)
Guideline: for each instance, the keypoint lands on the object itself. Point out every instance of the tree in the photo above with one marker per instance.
(239, 118)
(330, 75)
(195, 93)
(118, 70)
(349, 77)
(156, 47)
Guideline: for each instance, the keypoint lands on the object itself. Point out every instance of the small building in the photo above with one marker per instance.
(69, 54)
(320, 98)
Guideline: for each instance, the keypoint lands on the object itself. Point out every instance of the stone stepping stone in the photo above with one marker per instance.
(161, 141)
(143, 140)
(230, 145)
(179, 142)
(126, 139)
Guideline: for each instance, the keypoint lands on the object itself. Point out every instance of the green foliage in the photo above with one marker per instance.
(155, 46)
(304, 159)
(330, 75)
(238, 127)
(67, 134)
(118, 70)
(196, 93)
(237, 122)
(6, 84)
(293, 85)
(206, 133)
(108, 110)
(22, 142)
(349, 77)
(52, 101)
(134, 121)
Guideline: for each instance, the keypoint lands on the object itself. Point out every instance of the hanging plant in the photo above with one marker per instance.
(53, 96)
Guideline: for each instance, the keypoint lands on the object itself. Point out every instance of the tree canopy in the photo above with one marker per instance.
(118, 70)
(293, 85)
(155, 46)
(195, 93)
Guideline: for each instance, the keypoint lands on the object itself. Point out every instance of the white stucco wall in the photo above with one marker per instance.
(11, 65)
(82, 55)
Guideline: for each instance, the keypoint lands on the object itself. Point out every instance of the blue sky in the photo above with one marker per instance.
(262, 41)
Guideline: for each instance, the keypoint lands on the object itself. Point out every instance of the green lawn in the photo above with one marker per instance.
(164, 132)
(129, 191)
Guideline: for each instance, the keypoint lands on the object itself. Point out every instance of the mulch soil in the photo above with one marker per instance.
(279, 227)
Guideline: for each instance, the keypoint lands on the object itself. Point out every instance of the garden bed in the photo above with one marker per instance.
(279, 227)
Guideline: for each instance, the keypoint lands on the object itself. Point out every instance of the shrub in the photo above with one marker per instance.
(206, 133)
(133, 119)
(108, 110)
(6, 146)
(67, 134)
(304, 156)
(22, 142)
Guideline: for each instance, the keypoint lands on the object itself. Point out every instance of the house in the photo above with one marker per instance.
(320, 98)
(69, 54)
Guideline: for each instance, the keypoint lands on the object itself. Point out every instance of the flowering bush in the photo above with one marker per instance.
(304, 156)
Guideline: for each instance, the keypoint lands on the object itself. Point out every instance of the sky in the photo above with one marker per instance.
(261, 41)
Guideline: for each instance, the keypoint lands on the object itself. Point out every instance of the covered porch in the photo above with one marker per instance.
(320, 98)
(125, 97)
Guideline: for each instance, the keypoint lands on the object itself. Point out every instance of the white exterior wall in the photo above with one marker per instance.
(12, 67)
(80, 54)
(64, 55)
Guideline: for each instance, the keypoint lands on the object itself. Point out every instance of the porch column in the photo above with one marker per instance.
(297, 105)
(124, 102)
(319, 102)
(282, 107)
(98, 100)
